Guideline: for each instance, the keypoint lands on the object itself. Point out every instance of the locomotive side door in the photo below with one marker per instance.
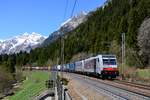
(94, 65)
(98, 66)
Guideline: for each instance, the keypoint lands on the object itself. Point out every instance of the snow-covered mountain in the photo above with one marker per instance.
(67, 26)
(24, 42)
(72, 23)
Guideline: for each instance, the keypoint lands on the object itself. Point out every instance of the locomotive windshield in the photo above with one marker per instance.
(109, 61)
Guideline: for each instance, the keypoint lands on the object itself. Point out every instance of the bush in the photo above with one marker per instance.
(19, 76)
(6, 81)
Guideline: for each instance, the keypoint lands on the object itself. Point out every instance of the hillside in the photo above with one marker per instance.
(101, 33)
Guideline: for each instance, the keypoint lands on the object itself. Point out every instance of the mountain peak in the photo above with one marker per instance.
(30, 34)
(77, 17)
(22, 42)
(67, 26)
(24, 34)
(1, 40)
(81, 14)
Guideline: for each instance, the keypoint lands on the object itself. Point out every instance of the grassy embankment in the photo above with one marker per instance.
(32, 86)
(143, 74)
(138, 75)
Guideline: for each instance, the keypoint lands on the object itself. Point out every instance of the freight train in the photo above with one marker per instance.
(103, 66)
(35, 68)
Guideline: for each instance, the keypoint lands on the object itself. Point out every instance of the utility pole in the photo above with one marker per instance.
(62, 62)
(123, 53)
(62, 51)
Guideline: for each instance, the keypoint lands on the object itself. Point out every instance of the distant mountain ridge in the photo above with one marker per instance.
(67, 26)
(24, 42)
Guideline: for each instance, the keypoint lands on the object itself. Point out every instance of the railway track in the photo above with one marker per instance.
(137, 89)
(140, 89)
(118, 88)
(141, 86)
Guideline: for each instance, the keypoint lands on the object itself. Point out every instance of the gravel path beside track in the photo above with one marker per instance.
(83, 91)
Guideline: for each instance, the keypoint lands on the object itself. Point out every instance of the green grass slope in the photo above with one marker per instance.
(32, 86)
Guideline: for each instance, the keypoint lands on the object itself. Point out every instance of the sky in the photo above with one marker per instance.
(41, 16)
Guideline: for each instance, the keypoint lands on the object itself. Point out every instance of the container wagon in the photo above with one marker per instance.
(72, 67)
(79, 66)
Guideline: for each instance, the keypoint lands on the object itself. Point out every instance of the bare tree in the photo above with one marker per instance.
(144, 41)
(79, 56)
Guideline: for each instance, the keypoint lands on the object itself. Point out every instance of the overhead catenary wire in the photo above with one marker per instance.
(62, 32)
(75, 2)
(66, 7)
(62, 44)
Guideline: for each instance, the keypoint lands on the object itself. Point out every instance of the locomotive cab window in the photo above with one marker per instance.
(113, 61)
(109, 61)
(105, 61)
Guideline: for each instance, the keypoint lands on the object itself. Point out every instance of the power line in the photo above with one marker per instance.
(62, 36)
(66, 6)
(62, 43)
(73, 7)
